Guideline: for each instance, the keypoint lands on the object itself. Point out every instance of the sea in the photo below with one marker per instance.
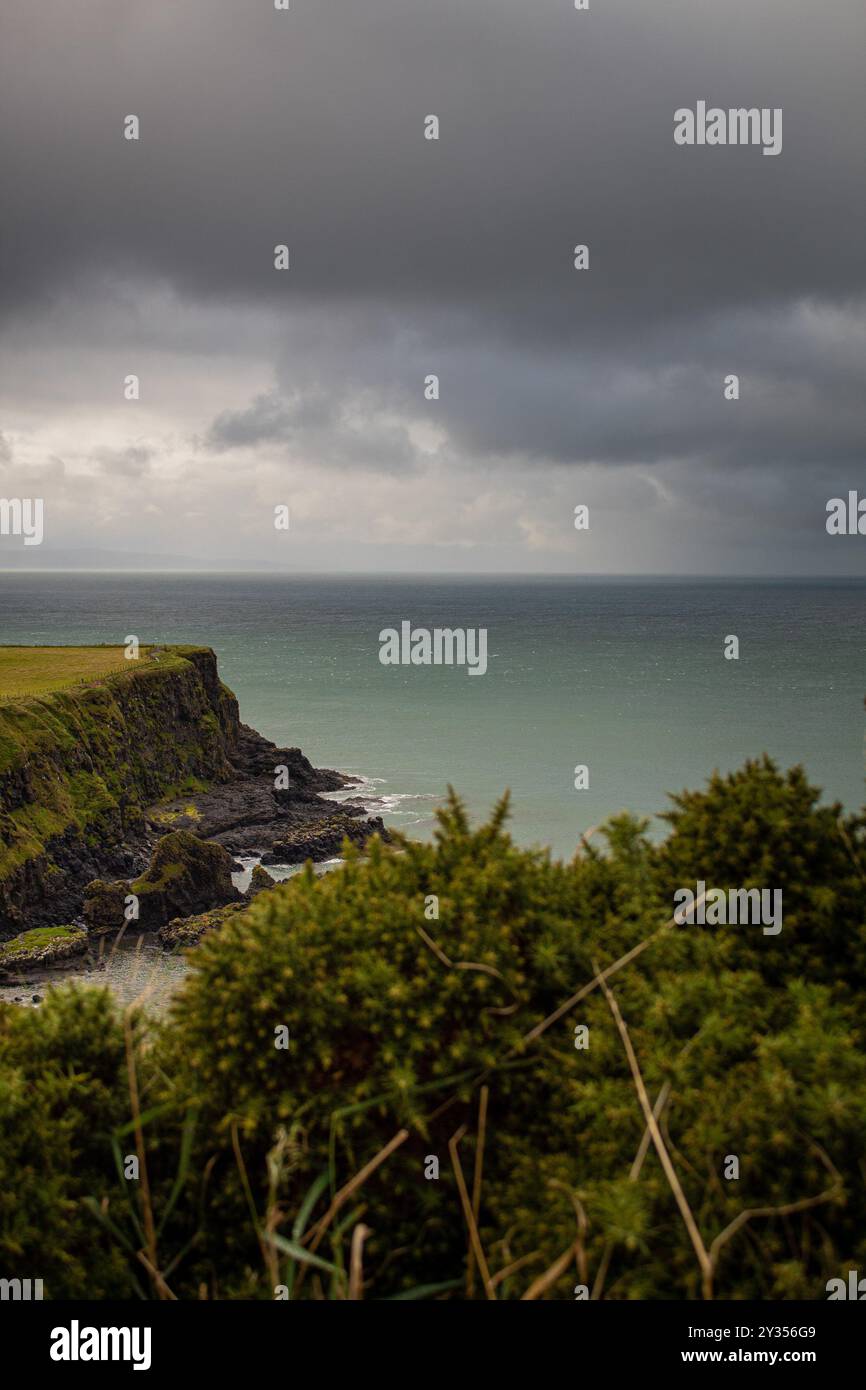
(626, 678)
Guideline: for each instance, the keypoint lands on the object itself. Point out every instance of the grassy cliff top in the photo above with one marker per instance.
(28, 671)
(88, 740)
(48, 693)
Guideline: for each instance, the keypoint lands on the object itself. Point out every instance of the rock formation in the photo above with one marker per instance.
(95, 778)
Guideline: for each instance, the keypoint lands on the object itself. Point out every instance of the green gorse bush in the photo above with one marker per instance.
(423, 992)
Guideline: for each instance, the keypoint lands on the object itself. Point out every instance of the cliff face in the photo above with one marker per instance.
(79, 767)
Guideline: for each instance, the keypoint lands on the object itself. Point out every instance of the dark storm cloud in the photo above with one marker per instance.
(657, 397)
(306, 128)
(455, 257)
(344, 437)
(270, 418)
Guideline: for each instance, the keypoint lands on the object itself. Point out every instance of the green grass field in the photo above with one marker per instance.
(38, 670)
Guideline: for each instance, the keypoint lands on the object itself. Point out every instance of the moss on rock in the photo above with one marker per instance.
(41, 947)
(186, 876)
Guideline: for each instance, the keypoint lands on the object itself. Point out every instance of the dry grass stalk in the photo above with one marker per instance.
(664, 1158)
(828, 1195)
(512, 1268)
(158, 1280)
(318, 1230)
(646, 1137)
(468, 1214)
(708, 1259)
(356, 1270)
(550, 1276)
(582, 1226)
(583, 842)
(476, 1183)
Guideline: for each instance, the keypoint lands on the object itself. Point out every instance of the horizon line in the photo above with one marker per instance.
(426, 574)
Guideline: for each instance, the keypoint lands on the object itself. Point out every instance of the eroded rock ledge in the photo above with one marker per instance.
(40, 948)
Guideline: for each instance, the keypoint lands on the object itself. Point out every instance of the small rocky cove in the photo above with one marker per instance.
(129, 882)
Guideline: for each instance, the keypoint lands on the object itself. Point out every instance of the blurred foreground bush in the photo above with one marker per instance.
(410, 987)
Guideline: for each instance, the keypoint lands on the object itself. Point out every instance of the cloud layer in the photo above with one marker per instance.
(454, 258)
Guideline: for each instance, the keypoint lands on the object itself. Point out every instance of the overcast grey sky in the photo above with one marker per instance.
(411, 257)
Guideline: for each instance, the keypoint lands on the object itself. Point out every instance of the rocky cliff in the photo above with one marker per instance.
(93, 775)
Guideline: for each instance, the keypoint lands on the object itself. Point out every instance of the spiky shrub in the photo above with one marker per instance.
(391, 1014)
(760, 827)
(750, 1046)
(397, 1020)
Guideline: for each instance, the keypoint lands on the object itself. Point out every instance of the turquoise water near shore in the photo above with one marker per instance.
(626, 676)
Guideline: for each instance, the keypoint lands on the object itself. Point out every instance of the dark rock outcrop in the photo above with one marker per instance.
(186, 876)
(322, 841)
(259, 881)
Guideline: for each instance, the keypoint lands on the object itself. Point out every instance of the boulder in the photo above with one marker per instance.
(260, 880)
(186, 876)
